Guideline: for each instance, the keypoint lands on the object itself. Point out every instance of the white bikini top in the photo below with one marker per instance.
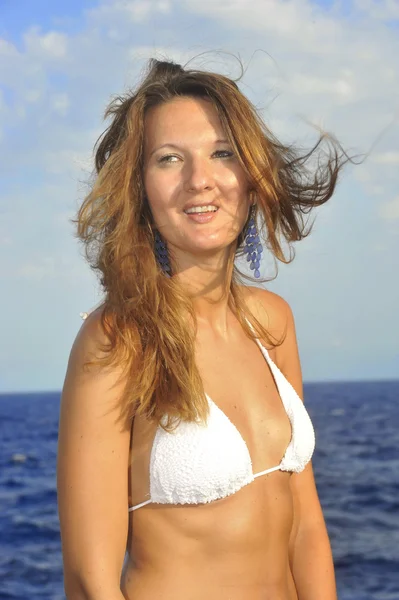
(199, 463)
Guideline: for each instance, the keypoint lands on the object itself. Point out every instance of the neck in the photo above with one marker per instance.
(208, 284)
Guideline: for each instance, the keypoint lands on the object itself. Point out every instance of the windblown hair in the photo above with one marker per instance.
(148, 317)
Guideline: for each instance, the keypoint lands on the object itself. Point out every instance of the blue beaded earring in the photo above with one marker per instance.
(161, 254)
(253, 247)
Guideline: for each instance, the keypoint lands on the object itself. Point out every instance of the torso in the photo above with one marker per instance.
(235, 548)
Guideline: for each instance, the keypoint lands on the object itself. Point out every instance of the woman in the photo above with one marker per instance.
(183, 438)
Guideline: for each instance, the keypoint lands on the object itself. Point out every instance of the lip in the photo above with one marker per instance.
(203, 203)
(202, 217)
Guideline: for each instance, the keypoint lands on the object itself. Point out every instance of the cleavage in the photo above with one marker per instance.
(239, 381)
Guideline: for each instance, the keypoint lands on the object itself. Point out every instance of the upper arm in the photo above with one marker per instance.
(92, 469)
(276, 316)
(307, 510)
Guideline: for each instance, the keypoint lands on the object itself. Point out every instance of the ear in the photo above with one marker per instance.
(252, 196)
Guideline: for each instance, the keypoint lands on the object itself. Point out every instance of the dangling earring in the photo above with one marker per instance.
(253, 247)
(161, 254)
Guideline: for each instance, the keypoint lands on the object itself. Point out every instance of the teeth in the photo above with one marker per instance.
(201, 209)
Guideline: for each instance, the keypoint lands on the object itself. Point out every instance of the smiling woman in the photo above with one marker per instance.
(223, 503)
(192, 176)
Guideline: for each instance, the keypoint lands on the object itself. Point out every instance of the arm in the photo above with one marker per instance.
(92, 473)
(310, 552)
(309, 548)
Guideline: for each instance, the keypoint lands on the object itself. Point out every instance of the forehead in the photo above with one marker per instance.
(181, 119)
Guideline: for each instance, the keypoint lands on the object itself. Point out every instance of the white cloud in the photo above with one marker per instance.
(377, 190)
(339, 86)
(51, 45)
(45, 268)
(5, 240)
(337, 342)
(7, 49)
(337, 71)
(320, 69)
(33, 95)
(37, 270)
(385, 10)
(387, 158)
(134, 11)
(290, 20)
(60, 103)
(390, 210)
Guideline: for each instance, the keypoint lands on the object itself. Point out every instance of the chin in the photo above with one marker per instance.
(210, 247)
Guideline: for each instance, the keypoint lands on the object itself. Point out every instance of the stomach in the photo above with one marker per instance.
(235, 548)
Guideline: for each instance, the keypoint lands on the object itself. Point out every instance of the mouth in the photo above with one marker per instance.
(201, 214)
(206, 208)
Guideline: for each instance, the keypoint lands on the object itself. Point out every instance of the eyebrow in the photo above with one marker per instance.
(170, 145)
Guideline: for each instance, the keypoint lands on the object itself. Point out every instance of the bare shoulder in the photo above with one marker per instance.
(272, 310)
(92, 390)
(90, 338)
(275, 314)
(90, 345)
(93, 455)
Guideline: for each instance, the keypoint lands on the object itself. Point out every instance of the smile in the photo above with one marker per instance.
(201, 214)
(201, 209)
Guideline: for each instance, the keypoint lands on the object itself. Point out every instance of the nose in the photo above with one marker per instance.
(199, 175)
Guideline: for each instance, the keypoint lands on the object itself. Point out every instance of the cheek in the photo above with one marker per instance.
(155, 192)
(238, 193)
(159, 188)
(152, 196)
(235, 182)
(160, 195)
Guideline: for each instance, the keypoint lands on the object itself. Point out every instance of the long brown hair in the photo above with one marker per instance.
(143, 313)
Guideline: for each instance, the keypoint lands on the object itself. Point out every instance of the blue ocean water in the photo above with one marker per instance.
(356, 465)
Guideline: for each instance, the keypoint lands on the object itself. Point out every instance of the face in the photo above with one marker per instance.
(188, 162)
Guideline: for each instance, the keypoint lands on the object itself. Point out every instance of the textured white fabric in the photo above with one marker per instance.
(197, 464)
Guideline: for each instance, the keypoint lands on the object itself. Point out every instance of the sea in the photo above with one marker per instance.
(356, 465)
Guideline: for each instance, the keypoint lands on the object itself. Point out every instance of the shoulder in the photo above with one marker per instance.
(93, 458)
(270, 300)
(93, 336)
(90, 372)
(276, 316)
(91, 332)
(272, 310)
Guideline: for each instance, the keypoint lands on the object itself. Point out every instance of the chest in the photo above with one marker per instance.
(238, 378)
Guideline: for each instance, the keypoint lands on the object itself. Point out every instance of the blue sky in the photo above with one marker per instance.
(332, 63)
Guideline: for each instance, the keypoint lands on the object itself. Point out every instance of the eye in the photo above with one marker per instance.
(165, 159)
(224, 153)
